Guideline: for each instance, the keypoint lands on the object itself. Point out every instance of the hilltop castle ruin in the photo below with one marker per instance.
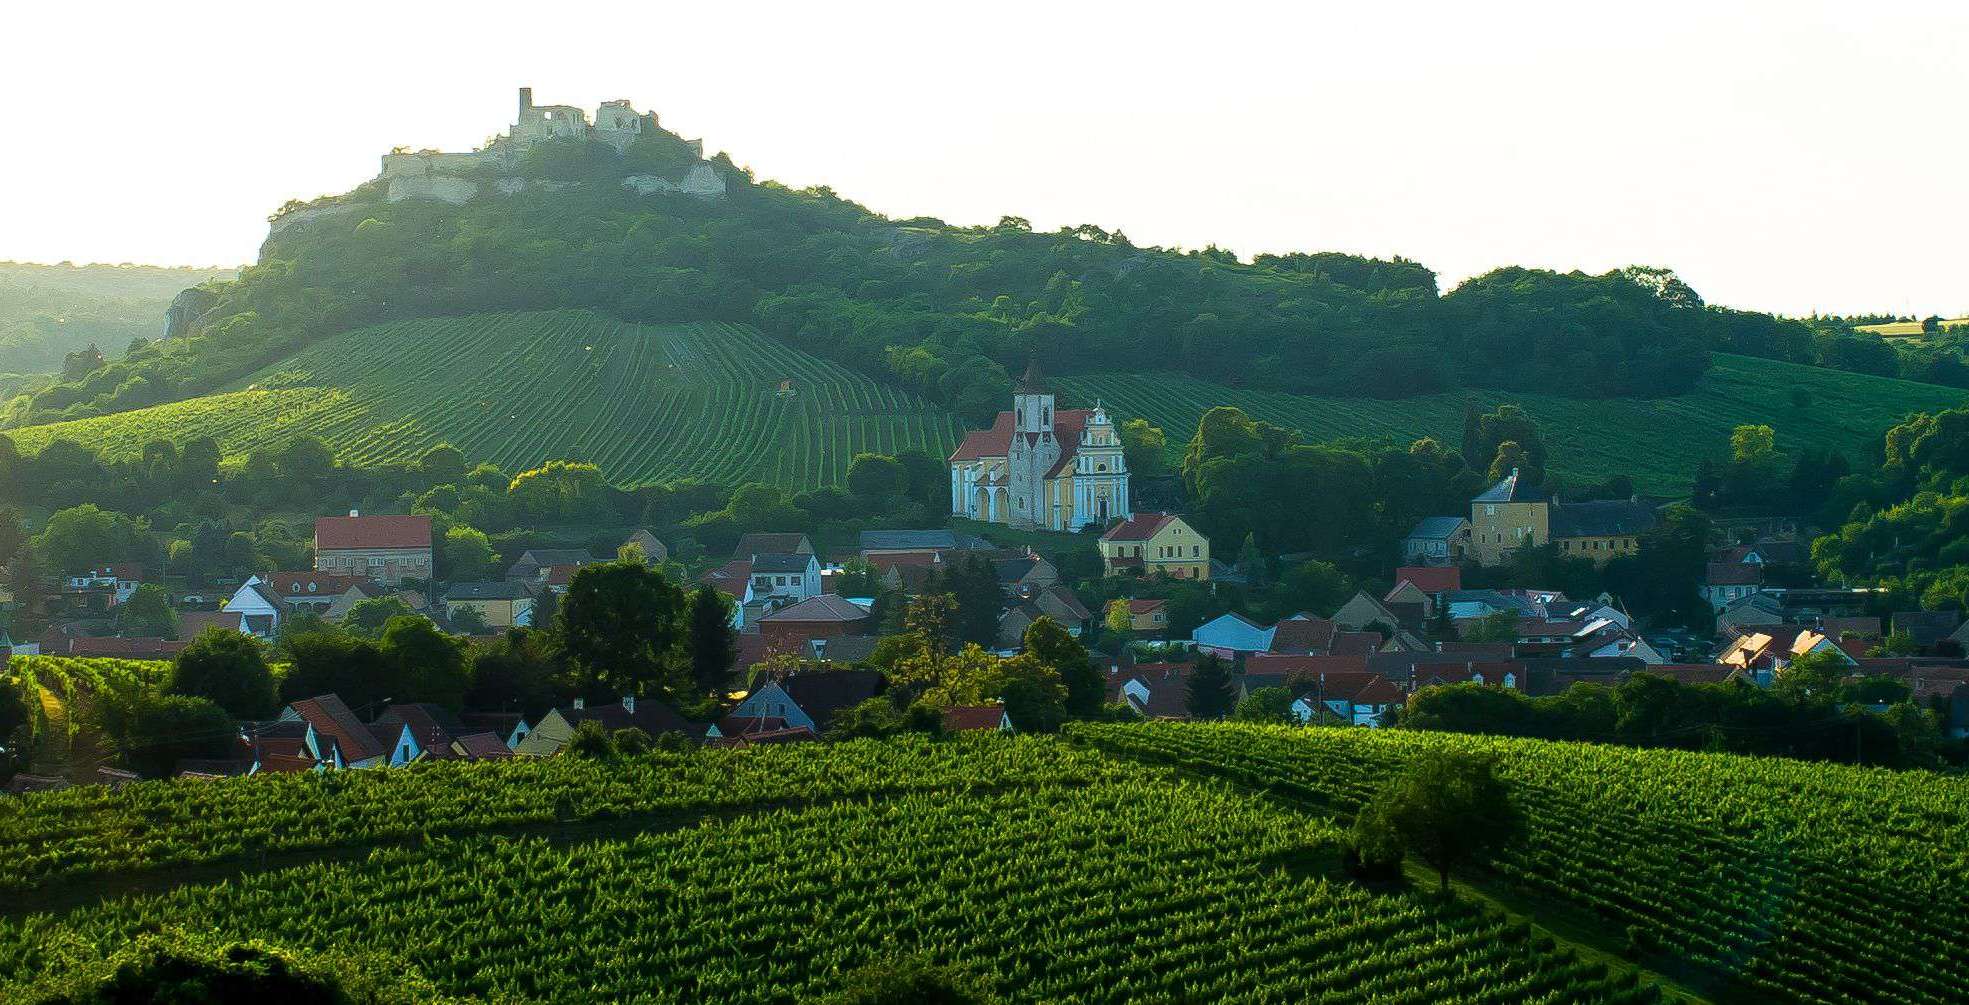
(458, 178)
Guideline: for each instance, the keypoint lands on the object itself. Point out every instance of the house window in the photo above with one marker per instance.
(1490, 511)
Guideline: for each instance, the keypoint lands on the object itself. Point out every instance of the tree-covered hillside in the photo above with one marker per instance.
(49, 311)
(947, 311)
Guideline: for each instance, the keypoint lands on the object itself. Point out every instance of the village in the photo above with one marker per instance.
(1041, 489)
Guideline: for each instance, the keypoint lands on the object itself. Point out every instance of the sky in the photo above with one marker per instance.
(1789, 156)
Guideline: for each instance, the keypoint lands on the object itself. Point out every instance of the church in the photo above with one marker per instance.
(1038, 467)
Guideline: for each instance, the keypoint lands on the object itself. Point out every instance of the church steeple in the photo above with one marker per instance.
(1032, 404)
(1031, 383)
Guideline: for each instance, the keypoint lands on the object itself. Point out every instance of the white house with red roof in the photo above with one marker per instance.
(388, 549)
(1038, 467)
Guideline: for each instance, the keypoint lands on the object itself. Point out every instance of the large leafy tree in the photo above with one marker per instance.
(713, 642)
(430, 664)
(1052, 646)
(1446, 807)
(622, 625)
(1212, 691)
(229, 669)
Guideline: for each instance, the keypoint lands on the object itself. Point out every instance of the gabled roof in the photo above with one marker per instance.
(1356, 643)
(504, 589)
(1428, 578)
(1438, 528)
(1734, 574)
(908, 540)
(192, 623)
(1927, 627)
(772, 544)
(332, 533)
(483, 747)
(333, 720)
(965, 718)
(1303, 635)
(1510, 490)
(1057, 600)
(730, 578)
(1299, 668)
(325, 585)
(1602, 518)
(651, 716)
(821, 695)
(781, 562)
(555, 556)
(433, 726)
(1139, 527)
(827, 608)
(1149, 606)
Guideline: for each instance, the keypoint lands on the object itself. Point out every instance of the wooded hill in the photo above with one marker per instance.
(945, 311)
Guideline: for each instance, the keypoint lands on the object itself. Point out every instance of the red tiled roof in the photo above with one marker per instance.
(1362, 688)
(327, 585)
(1356, 643)
(729, 578)
(963, 718)
(332, 719)
(129, 649)
(484, 747)
(1295, 668)
(997, 441)
(1303, 635)
(826, 608)
(1139, 527)
(1146, 606)
(1429, 579)
(336, 533)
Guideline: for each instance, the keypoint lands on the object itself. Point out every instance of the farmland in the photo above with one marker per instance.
(720, 403)
(1658, 442)
(1047, 871)
(1789, 881)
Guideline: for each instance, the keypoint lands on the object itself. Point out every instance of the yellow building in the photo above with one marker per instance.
(1153, 543)
(1510, 515)
(501, 605)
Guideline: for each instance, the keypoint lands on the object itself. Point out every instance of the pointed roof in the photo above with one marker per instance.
(1031, 383)
(1510, 490)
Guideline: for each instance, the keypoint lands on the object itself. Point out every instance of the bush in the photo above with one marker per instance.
(632, 741)
(165, 729)
(590, 742)
(912, 980)
(180, 970)
(229, 669)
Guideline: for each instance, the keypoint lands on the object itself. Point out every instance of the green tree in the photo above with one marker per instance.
(1119, 624)
(466, 555)
(1053, 646)
(1497, 626)
(148, 613)
(972, 582)
(430, 665)
(83, 536)
(1267, 704)
(443, 464)
(876, 478)
(352, 668)
(1446, 807)
(229, 669)
(1211, 691)
(591, 742)
(13, 534)
(874, 718)
(621, 625)
(1144, 448)
(713, 642)
(471, 621)
(368, 618)
(164, 729)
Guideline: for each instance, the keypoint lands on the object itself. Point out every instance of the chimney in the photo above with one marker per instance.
(629, 703)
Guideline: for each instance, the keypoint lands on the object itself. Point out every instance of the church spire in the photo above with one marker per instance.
(1031, 382)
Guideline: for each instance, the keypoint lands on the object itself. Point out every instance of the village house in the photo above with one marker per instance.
(935, 545)
(976, 718)
(1728, 582)
(1155, 543)
(1148, 617)
(388, 549)
(811, 700)
(1228, 635)
(785, 576)
(500, 605)
(314, 591)
(791, 630)
(1357, 699)
(259, 608)
(356, 745)
(1511, 515)
(1041, 468)
(557, 727)
(1423, 585)
(654, 551)
(1437, 540)
(115, 582)
(535, 564)
(764, 543)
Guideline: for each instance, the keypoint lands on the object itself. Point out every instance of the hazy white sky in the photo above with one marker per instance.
(1785, 156)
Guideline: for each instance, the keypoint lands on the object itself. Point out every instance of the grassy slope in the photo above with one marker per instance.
(1657, 442)
(646, 403)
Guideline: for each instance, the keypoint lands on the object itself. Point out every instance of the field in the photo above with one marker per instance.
(1775, 880)
(1905, 329)
(1048, 871)
(648, 404)
(1657, 442)
(60, 694)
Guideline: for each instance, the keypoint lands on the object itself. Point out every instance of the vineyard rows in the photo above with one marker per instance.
(1806, 882)
(646, 403)
(55, 690)
(1108, 883)
(1657, 441)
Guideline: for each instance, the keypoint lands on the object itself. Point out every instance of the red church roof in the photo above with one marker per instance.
(337, 533)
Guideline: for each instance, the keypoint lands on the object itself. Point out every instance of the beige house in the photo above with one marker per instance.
(387, 549)
(1511, 515)
(1152, 543)
(502, 605)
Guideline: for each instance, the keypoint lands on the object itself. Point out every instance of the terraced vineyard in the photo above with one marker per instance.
(1658, 442)
(1792, 881)
(1048, 872)
(721, 403)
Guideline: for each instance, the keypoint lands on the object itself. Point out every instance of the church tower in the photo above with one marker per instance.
(1033, 451)
(1100, 475)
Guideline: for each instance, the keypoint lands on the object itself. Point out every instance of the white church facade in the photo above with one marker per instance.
(1041, 467)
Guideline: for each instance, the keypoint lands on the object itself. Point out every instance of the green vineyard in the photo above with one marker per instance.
(719, 403)
(1791, 881)
(1656, 441)
(1045, 871)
